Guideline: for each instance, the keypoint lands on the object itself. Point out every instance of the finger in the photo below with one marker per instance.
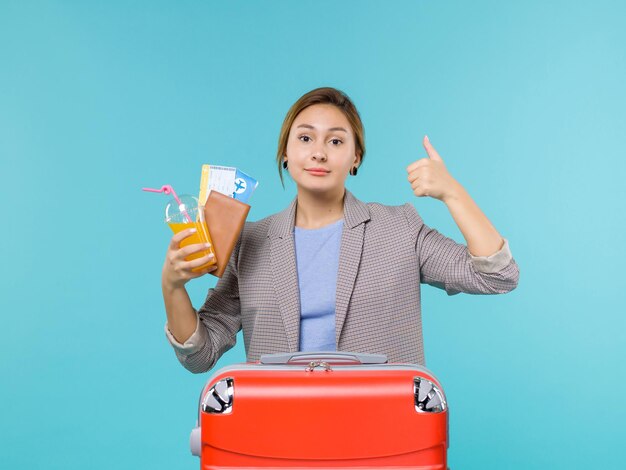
(417, 186)
(418, 164)
(414, 176)
(420, 190)
(422, 172)
(195, 263)
(430, 150)
(191, 249)
(180, 236)
(202, 272)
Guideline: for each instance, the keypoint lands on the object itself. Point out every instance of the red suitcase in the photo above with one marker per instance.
(322, 410)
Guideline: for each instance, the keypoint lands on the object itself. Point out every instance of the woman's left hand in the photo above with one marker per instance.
(429, 176)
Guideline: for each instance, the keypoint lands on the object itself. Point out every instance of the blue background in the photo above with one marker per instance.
(524, 101)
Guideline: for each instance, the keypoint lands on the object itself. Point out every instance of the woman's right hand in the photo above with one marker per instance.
(176, 271)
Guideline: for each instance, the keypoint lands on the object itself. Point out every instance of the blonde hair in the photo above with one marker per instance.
(324, 95)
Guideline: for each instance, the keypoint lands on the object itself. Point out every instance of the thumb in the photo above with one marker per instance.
(430, 150)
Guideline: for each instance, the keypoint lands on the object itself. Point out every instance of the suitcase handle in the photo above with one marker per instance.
(331, 357)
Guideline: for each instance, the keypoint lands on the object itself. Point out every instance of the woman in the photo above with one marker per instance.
(331, 272)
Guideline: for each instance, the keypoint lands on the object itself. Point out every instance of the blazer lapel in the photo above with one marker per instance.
(284, 270)
(356, 213)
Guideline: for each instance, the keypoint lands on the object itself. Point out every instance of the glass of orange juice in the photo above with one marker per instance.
(188, 214)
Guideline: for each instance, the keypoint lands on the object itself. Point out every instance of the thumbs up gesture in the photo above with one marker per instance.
(429, 176)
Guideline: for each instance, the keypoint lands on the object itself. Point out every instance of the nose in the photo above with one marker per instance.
(319, 154)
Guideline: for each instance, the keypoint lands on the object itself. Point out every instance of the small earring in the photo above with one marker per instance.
(285, 164)
(353, 171)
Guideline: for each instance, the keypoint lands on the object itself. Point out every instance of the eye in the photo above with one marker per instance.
(304, 138)
(336, 141)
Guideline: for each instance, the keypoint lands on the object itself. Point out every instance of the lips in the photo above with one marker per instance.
(317, 171)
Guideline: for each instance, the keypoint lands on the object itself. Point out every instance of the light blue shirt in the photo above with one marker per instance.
(317, 258)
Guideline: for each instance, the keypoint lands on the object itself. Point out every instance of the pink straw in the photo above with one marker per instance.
(167, 189)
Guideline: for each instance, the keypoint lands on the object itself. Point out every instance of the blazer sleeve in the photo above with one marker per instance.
(219, 321)
(449, 265)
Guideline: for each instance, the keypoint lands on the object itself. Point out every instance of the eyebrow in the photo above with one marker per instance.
(308, 126)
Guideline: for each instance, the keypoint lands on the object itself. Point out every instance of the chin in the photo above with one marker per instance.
(318, 185)
(321, 189)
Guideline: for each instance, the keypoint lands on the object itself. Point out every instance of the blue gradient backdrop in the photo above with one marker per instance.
(524, 100)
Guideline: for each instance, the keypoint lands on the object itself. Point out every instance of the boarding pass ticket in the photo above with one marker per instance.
(227, 180)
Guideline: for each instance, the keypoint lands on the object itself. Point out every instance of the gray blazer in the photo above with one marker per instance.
(386, 252)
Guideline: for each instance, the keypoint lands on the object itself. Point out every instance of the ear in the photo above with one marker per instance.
(357, 159)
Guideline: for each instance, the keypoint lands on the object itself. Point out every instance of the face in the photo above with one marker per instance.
(321, 149)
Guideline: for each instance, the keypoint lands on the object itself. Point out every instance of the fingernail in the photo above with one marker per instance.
(207, 245)
(211, 256)
(427, 139)
(193, 230)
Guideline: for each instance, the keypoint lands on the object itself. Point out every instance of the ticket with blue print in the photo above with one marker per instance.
(227, 180)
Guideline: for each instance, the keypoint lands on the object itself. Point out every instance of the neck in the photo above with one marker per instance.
(317, 210)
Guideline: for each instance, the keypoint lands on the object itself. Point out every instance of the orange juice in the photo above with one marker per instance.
(201, 236)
